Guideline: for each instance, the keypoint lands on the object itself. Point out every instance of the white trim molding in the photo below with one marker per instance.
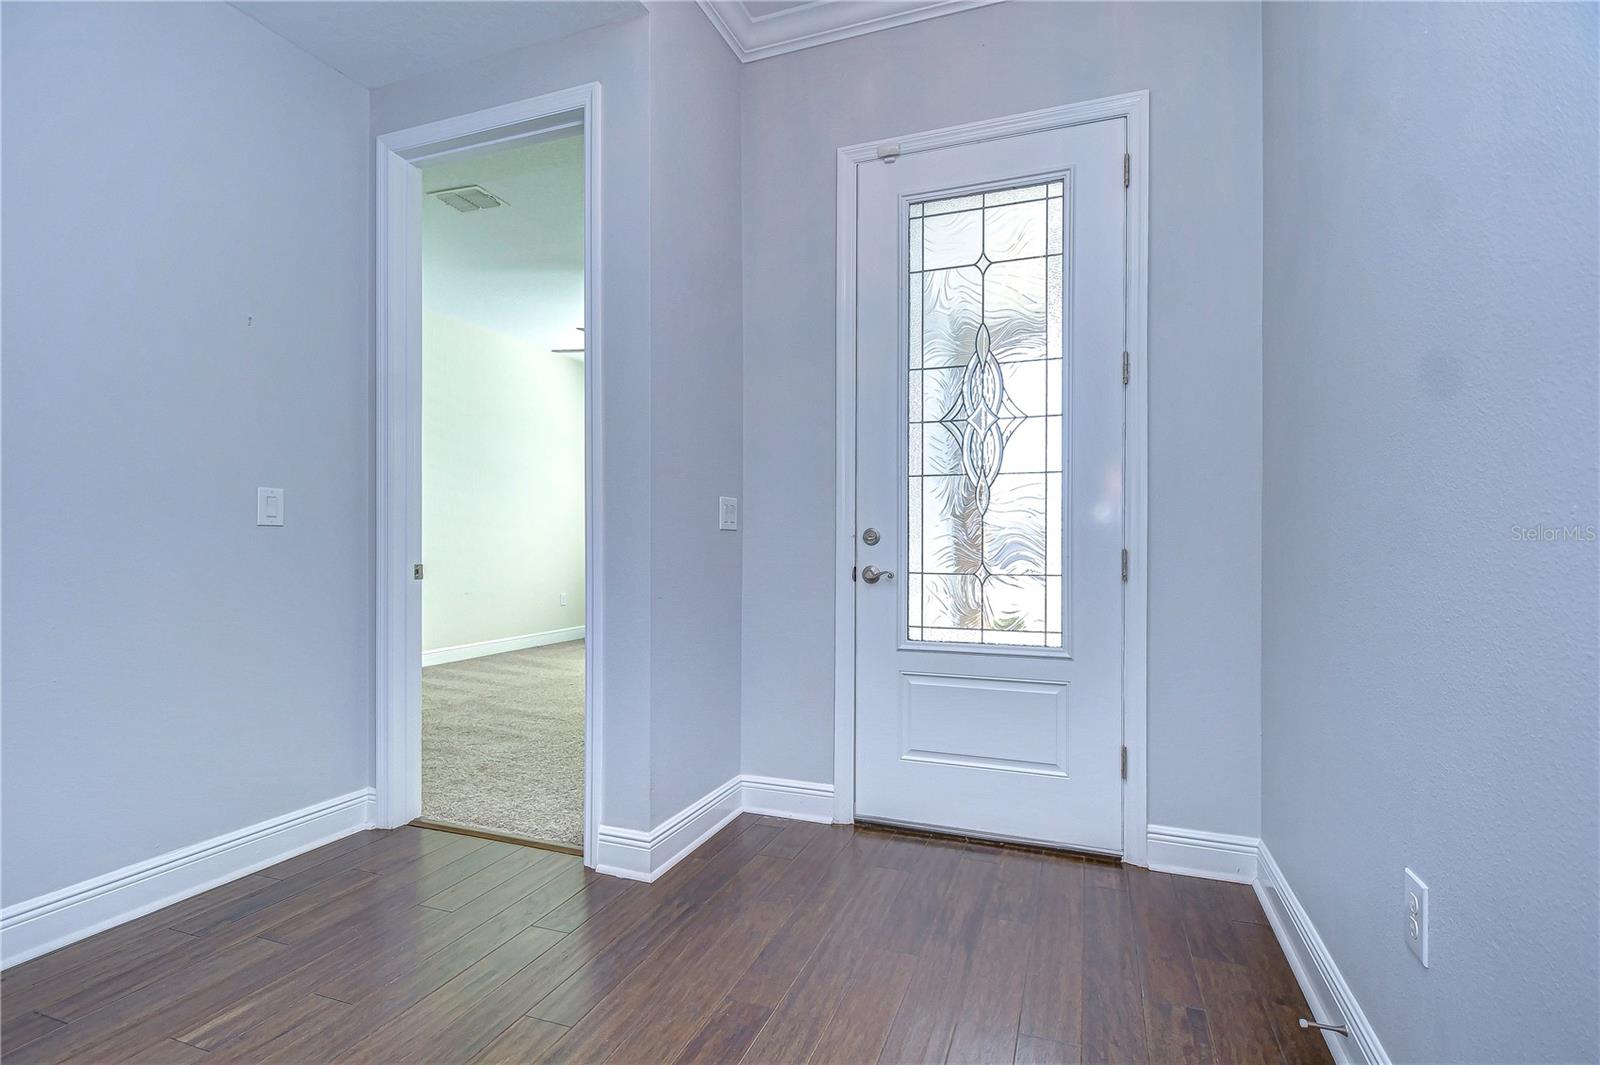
(398, 297)
(798, 800)
(1212, 855)
(645, 855)
(637, 855)
(1327, 993)
(39, 925)
(1244, 859)
(484, 648)
(755, 36)
(1134, 108)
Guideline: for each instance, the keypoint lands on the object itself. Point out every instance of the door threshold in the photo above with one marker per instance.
(900, 829)
(498, 837)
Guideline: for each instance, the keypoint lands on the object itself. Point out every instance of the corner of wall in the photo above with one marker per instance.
(696, 426)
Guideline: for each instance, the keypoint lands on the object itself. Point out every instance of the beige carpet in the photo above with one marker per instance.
(502, 742)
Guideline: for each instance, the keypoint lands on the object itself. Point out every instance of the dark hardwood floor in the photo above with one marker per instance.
(776, 941)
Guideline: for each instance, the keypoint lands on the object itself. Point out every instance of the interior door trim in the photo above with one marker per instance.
(1135, 108)
(397, 732)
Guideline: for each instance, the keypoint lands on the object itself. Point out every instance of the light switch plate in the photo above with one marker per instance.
(269, 506)
(727, 512)
(1415, 927)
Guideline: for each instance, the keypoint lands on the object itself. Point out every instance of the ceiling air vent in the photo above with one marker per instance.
(468, 198)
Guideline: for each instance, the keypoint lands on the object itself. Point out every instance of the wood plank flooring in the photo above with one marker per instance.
(774, 942)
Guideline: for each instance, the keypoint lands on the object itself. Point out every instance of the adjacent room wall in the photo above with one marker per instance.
(1202, 65)
(502, 485)
(186, 233)
(1429, 680)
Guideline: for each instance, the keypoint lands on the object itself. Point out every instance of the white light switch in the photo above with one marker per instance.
(269, 506)
(727, 512)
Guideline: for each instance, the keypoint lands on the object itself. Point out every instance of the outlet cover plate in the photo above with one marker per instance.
(1415, 928)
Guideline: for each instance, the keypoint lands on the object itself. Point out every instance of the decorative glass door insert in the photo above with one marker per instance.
(985, 396)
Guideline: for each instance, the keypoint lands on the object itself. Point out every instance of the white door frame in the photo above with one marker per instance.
(398, 666)
(1135, 108)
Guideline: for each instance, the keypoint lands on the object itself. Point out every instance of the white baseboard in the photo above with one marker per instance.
(798, 800)
(640, 855)
(1213, 855)
(39, 925)
(1242, 859)
(1326, 991)
(462, 652)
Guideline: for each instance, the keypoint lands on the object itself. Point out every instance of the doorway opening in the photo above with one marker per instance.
(503, 491)
(490, 574)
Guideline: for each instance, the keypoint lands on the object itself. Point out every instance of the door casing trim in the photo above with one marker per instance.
(1135, 108)
(397, 725)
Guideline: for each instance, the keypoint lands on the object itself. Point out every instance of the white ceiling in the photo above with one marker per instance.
(375, 44)
(757, 29)
(516, 270)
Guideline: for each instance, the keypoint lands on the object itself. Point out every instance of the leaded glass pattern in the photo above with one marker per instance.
(984, 396)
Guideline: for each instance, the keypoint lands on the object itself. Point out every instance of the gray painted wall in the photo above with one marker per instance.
(154, 632)
(1202, 64)
(186, 247)
(1429, 680)
(696, 348)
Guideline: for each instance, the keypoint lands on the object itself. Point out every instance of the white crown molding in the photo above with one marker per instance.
(790, 29)
(39, 925)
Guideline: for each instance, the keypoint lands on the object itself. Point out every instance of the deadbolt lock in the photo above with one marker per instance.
(870, 537)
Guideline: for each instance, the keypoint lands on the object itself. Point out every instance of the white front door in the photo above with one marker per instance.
(989, 347)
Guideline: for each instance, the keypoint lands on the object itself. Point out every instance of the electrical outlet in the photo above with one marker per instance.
(1416, 917)
(727, 513)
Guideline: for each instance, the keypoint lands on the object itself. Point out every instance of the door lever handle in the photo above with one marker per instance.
(872, 574)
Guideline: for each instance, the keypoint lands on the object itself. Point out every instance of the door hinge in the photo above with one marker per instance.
(1124, 565)
(1124, 368)
(416, 571)
(1127, 169)
(1124, 763)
